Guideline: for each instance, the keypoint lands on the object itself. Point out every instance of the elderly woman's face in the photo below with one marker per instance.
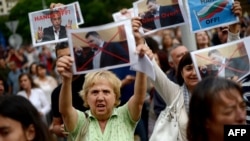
(101, 99)
(228, 109)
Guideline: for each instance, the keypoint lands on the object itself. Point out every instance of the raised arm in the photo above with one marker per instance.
(69, 113)
(234, 29)
(135, 103)
(165, 87)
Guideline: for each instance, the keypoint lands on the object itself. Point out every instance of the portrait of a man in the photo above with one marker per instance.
(158, 16)
(54, 32)
(106, 53)
(223, 66)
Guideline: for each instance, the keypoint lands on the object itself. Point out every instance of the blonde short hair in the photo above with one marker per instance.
(94, 77)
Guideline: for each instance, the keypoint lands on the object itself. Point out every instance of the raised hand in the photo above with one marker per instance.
(136, 25)
(143, 49)
(63, 66)
(40, 33)
(237, 10)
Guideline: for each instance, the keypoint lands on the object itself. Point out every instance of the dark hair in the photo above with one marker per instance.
(33, 85)
(163, 58)
(30, 68)
(152, 44)
(202, 100)
(20, 109)
(92, 33)
(185, 60)
(61, 45)
(40, 65)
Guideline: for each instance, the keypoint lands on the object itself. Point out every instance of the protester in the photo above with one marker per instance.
(229, 33)
(12, 78)
(20, 121)
(4, 69)
(36, 96)
(46, 82)
(32, 70)
(215, 102)
(202, 39)
(57, 126)
(101, 92)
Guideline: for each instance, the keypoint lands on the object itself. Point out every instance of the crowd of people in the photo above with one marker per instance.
(41, 98)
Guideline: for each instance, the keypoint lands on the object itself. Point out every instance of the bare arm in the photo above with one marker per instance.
(237, 10)
(135, 103)
(66, 108)
(234, 29)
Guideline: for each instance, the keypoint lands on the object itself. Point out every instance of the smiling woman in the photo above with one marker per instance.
(169, 91)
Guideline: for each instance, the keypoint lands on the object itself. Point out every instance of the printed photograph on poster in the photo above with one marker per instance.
(206, 14)
(49, 26)
(102, 47)
(124, 14)
(159, 14)
(230, 60)
(79, 16)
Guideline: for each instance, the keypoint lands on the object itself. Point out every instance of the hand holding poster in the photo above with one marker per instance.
(207, 14)
(124, 14)
(49, 26)
(103, 46)
(230, 60)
